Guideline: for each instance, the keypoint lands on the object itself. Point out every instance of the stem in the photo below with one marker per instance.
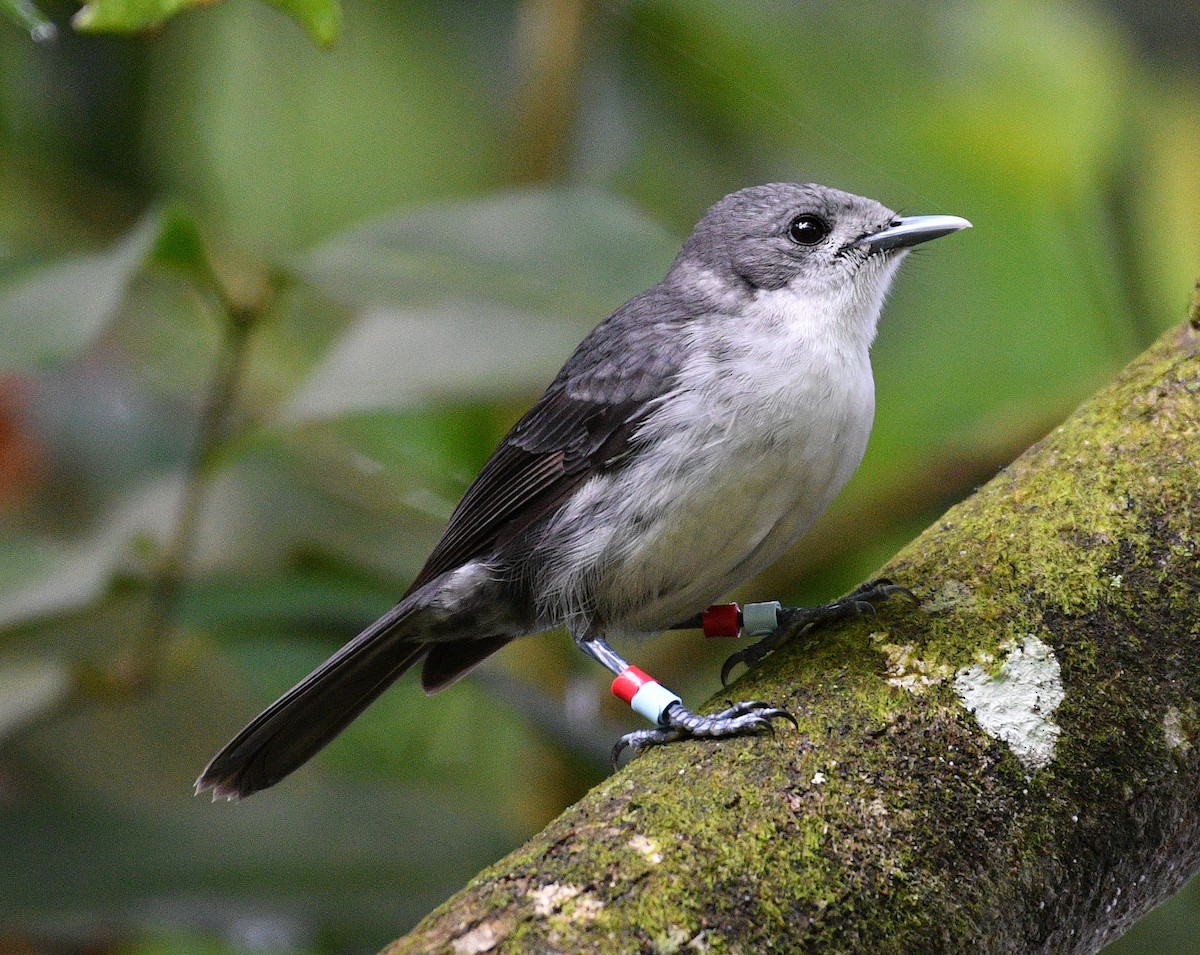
(170, 574)
(550, 39)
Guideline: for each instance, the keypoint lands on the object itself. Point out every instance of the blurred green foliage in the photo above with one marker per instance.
(319, 17)
(265, 309)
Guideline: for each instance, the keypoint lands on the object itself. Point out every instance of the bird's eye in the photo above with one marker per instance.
(808, 229)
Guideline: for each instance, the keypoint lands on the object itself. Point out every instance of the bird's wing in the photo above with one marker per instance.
(585, 423)
(553, 450)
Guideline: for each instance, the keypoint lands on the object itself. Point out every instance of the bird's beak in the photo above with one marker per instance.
(903, 233)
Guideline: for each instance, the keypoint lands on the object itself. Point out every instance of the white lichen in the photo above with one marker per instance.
(647, 847)
(549, 902)
(1016, 704)
(482, 938)
(906, 670)
(548, 899)
(1177, 737)
(587, 908)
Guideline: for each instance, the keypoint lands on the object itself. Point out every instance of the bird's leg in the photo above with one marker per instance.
(789, 622)
(673, 721)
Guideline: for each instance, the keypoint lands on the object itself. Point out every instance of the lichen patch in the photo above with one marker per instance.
(548, 899)
(562, 902)
(647, 847)
(482, 938)
(908, 671)
(1177, 737)
(586, 909)
(1016, 703)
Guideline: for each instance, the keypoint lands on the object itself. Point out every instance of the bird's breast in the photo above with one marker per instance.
(736, 461)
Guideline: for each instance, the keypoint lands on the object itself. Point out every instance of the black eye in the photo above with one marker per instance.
(808, 229)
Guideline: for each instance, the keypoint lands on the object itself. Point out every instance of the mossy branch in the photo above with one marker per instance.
(1012, 767)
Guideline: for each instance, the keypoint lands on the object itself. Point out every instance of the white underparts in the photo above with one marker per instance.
(767, 420)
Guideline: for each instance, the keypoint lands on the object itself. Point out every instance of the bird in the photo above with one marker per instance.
(692, 437)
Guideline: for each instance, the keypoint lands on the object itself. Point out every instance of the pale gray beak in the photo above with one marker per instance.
(910, 231)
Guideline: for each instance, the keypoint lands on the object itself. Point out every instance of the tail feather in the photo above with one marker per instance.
(309, 715)
(450, 661)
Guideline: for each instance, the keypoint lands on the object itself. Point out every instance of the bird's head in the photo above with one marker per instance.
(812, 243)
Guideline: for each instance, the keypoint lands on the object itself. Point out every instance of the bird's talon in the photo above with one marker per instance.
(730, 662)
(747, 657)
(749, 718)
(777, 712)
(640, 740)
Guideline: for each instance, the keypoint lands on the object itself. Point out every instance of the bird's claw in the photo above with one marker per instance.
(883, 588)
(749, 718)
(751, 656)
(793, 620)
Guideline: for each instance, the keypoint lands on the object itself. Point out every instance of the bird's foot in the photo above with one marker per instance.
(677, 722)
(796, 620)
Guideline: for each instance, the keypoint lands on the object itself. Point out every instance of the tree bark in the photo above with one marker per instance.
(1012, 766)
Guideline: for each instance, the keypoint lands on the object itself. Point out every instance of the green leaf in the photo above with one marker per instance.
(321, 18)
(430, 133)
(549, 250)
(50, 316)
(179, 245)
(391, 359)
(25, 14)
(127, 16)
(514, 283)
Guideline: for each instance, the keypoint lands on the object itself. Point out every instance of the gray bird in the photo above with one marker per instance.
(689, 441)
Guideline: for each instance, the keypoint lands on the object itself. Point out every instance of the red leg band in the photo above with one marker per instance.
(628, 682)
(722, 620)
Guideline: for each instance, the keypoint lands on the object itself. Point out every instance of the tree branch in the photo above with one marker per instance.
(1012, 767)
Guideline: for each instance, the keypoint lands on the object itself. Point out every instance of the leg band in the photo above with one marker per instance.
(730, 620)
(643, 693)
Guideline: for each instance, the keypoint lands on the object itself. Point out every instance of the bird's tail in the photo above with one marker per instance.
(293, 728)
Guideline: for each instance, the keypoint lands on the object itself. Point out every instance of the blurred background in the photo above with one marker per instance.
(271, 289)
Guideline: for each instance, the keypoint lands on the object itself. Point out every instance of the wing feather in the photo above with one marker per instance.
(553, 450)
(585, 422)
